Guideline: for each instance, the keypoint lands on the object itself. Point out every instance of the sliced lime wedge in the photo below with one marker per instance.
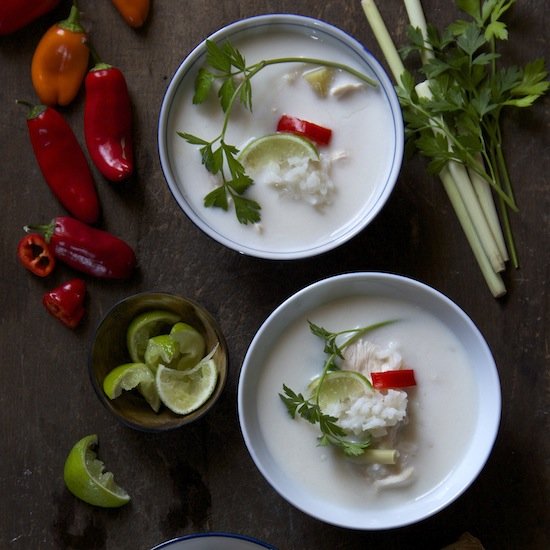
(184, 391)
(132, 376)
(161, 349)
(85, 477)
(191, 345)
(143, 327)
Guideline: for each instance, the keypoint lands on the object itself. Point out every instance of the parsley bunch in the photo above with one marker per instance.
(225, 64)
(468, 92)
(453, 117)
(309, 409)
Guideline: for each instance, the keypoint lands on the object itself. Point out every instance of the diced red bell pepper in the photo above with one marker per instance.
(35, 255)
(66, 302)
(393, 379)
(318, 134)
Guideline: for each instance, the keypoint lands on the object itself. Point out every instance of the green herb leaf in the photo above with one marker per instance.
(496, 30)
(533, 81)
(190, 138)
(226, 93)
(217, 58)
(247, 210)
(217, 197)
(471, 40)
(203, 85)
(471, 7)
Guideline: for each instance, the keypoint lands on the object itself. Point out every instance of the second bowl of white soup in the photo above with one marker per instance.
(280, 136)
(369, 401)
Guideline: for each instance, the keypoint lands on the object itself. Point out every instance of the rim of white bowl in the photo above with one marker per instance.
(488, 398)
(383, 192)
(214, 536)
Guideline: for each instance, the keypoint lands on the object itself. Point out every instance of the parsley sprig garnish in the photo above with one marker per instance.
(225, 64)
(309, 409)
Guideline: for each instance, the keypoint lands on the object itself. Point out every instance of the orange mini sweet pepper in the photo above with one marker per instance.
(134, 12)
(60, 61)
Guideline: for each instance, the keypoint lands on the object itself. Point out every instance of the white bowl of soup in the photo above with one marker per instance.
(452, 410)
(303, 213)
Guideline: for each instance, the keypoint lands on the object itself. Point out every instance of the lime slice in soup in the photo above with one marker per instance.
(85, 477)
(143, 327)
(339, 387)
(132, 376)
(184, 391)
(276, 148)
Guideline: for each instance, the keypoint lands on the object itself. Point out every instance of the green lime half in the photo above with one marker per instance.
(190, 343)
(339, 387)
(185, 391)
(85, 477)
(143, 327)
(277, 148)
(132, 376)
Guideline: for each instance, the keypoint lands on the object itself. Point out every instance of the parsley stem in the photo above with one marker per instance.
(253, 70)
(313, 61)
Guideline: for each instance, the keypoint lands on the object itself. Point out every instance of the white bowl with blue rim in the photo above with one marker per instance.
(367, 135)
(324, 484)
(214, 541)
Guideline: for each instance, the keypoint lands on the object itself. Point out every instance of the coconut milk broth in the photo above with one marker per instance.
(441, 409)
(359, 123)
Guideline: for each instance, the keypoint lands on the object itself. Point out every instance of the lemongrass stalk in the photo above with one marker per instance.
(465, 188)
(384, 39)
(487, 202)
(493, 280)
(378, 456)
(418, 21)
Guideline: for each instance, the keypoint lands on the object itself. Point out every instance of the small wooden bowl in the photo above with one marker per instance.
(109, 350)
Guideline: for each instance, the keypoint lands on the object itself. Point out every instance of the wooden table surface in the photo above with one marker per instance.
(201, 478)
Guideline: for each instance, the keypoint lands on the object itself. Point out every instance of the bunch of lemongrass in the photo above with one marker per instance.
(469, 193)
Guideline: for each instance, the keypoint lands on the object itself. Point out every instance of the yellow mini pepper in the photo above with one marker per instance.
(134, 12)
(60, 61)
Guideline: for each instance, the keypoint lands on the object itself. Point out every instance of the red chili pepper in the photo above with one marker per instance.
(108, 122)
(66, 302)
(87, 249)
(393, 379)
(35, 255)
(310, 130)
(16, 14)
(62, 162)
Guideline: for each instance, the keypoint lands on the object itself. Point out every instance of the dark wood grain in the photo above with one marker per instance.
(201, 477)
